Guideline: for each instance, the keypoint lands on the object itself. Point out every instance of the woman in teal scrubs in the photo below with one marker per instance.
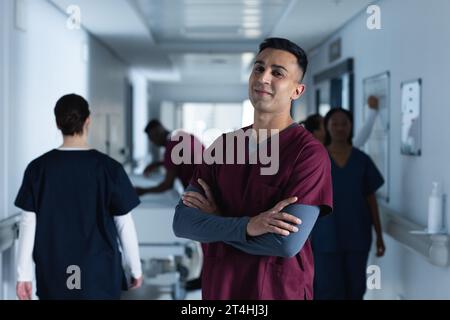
(342, 240)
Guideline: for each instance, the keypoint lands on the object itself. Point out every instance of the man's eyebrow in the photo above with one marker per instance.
(273, 66)
(280, 67)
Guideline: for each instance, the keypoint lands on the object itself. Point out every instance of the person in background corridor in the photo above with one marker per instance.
(314, 124)
(161, 137)
(76, 204)
(341, 241)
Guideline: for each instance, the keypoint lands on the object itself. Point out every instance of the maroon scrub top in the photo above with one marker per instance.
(184, 171)
(241, 190)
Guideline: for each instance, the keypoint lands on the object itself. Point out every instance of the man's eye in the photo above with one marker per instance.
(259, 69)
(277, 74)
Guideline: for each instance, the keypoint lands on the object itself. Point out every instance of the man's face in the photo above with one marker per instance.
(157, 136)
(274, 81)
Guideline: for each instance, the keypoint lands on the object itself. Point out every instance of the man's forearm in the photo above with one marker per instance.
(271, 244)
(374, 213)
(193, 224)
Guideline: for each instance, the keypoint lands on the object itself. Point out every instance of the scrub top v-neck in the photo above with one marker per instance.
(349, 228)
(75, 195)
(241, 190)
(336, 166)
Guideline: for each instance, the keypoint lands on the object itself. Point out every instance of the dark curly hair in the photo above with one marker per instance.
(312, 123)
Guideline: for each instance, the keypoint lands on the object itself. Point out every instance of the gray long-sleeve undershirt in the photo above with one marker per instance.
(199, 226)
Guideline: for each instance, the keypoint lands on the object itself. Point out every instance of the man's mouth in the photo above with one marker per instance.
(263, 92)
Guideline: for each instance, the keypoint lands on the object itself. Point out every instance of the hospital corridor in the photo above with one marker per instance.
(224, 150)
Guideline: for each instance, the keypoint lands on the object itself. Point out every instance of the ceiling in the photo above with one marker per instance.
(206, 20)
(205, 41)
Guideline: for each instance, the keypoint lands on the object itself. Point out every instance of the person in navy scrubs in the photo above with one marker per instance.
(77, 204)
(255, 227)
(341, 241)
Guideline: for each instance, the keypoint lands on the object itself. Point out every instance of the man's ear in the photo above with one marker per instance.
(87, 123)
(299, 90)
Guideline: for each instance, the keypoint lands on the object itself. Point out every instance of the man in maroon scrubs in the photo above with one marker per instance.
(161, 137)
(255, 227)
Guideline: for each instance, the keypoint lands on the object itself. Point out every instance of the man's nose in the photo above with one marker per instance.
(265, 77)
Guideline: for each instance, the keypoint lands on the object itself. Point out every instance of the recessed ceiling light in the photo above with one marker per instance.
(252, 3)
(251, 25)
(251, 19)
(252, 33)
(252, 11)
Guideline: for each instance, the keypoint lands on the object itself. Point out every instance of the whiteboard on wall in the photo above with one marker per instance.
(377, 147)
(411, 118)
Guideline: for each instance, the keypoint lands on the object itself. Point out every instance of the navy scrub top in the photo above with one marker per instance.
(75, 195)
(349, 228)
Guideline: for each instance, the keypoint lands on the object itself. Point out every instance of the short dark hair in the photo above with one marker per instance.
(289, 46)
(327, 119)
(71, 112)
(312, 123)
(152, 125)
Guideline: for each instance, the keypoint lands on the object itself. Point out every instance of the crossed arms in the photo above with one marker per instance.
(271, 233)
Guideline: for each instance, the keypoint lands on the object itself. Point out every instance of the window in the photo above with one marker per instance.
(207, 121)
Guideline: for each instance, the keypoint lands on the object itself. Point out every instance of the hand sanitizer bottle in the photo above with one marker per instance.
(435, 214)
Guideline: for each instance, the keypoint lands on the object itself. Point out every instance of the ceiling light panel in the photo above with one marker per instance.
(205, 20)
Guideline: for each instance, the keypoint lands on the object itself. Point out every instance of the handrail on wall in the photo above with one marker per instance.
(9, 231)
(434, 247)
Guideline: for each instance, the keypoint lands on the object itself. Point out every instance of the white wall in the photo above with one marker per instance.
(170, 115)
(106, 95)
(46, 60)
(45, 63)
(141, 99)
(4, 21)
(3, 120)
(413, 43)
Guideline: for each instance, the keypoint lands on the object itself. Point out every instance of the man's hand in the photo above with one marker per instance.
(24, 290)
(136, 283)
(150, 168)
(274, 221)
(198, 201)
(373, 102)
(140, 191)
(381, 249)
